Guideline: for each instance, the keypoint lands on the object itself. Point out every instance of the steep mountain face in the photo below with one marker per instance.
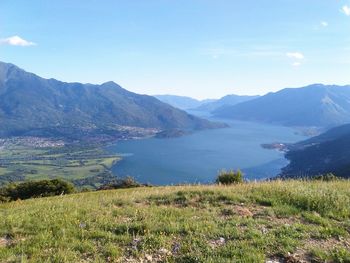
(181, 102)
(315, 105)
(28, 102)
(226, 101)
(326, 153)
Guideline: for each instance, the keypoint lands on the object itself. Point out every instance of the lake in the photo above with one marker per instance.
(198, 157)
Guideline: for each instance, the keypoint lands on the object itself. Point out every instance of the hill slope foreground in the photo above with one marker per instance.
(288, 221)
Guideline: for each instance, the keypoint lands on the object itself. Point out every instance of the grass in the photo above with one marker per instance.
(251, 222)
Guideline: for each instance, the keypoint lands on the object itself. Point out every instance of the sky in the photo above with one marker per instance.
(197, 48)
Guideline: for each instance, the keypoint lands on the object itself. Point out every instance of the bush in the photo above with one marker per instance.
(229, 177)
(35, 189)
(326, 177)
(127, 182)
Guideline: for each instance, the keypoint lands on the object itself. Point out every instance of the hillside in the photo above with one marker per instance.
(314, 105)
(326, 153)
(257, 222)
(226, 101)
(32, 105)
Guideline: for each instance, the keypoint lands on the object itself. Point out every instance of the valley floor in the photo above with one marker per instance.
(35, 158)
(288, 221)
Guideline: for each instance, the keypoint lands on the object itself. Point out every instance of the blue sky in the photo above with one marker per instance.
(198, 48)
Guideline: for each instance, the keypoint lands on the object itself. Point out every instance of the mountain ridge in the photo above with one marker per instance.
(223, 102)
(314, 105)
(29, 102)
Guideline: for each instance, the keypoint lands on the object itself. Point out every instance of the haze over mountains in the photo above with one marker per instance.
(182, 102)
(226, 101)
(207, 105)
(31, 104)
(315, 105)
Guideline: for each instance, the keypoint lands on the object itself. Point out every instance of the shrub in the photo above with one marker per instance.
(35, 189)
(229, 177)
(326, 177)
(127, 182)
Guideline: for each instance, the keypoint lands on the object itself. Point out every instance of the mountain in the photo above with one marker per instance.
(326, 153)
(181, 102)
(228, 100)
(31, 104)
(315, 105)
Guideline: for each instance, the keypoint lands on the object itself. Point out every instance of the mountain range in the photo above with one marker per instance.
(226, 101)
(207, 105)
(30, 104)
(182, 102)
(315, 105)
(326, 153)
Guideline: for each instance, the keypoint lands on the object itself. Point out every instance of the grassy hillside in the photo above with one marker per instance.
(245, 223)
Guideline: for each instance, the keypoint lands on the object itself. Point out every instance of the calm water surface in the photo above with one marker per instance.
(198, 157)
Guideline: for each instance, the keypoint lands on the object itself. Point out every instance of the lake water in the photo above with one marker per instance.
(198, 157)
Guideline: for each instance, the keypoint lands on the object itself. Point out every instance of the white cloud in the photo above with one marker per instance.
(16, 41)
(295, 55)
(346, 10)
(324, 23)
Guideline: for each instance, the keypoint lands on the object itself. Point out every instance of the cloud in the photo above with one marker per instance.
(346, 10)
(324, 23)
(16, 41)
(295, 55)
(296, 64)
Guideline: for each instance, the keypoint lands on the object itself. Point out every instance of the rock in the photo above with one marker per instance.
(217, 243)
(135, 243)
(164, 251)
(176, 248)
(148, 257)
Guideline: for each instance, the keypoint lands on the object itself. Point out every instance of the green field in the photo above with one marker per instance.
(289, 221)
(70, 163)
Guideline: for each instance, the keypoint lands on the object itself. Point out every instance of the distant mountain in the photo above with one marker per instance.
(30, 104)
(181, 102)
(315, 105)
(226, 101)
(326, 153)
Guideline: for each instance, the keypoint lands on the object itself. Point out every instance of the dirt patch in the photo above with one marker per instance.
(302, 254)
(5, 241)
(327, 244)
(159, 256)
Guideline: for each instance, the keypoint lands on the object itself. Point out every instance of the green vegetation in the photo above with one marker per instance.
(84, 166)
(249, 222)
(229, 177)
(120, 183)
(34, 189)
